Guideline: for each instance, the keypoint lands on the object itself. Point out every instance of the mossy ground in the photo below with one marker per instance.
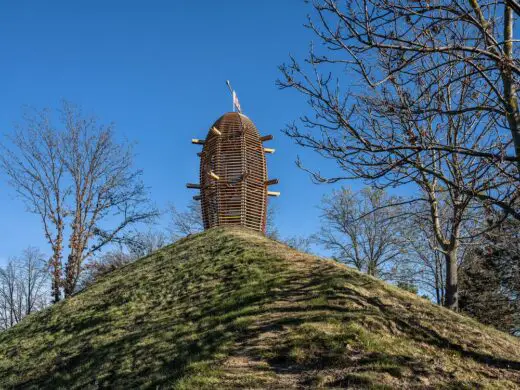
(231, 309)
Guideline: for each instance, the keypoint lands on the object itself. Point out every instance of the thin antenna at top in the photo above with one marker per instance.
(236, 103)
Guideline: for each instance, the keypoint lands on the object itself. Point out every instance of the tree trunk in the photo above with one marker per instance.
(512, 112)
(56, 267)
(56, 276)
(438, 295)
(69, 276)
(438, 281)
(452, 294)
(372, 268)
(438, 291)
(72, 271)
(56, 293)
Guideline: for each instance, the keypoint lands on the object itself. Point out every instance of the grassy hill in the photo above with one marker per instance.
(228, 308)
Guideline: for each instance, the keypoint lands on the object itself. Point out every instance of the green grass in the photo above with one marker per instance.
(228, 308)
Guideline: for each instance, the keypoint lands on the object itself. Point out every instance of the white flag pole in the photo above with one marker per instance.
(231, 90)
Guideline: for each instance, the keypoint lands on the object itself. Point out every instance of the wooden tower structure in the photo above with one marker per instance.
(233, 174)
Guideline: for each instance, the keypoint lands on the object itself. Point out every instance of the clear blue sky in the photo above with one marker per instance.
(158, 69)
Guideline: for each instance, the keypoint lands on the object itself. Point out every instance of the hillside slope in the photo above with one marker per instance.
(228, 308)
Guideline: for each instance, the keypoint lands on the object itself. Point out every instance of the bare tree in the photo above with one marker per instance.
(361, 230)
(33, 272)
(300, 243)
(104, 184)
(11, 300)
(22, 287)
(145, 243)
(403, 58)
(33, 165)
(81, 175)
(417, 121)
(271, 229)
(478, 35)
(183, 223)
(428, 263)
(103, 265)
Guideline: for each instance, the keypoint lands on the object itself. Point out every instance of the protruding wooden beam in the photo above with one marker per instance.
(268, 150)
(215, 131)
(271, 182)
(268, 137)
(273, 193)
(197, 197)
(196, 141)
(193, 186)
(214, 175)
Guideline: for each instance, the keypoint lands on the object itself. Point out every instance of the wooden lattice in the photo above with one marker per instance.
(233, 174)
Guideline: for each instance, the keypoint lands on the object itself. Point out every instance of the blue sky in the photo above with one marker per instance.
(158, 69)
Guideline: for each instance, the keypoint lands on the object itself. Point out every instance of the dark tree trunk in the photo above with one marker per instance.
(452, 294)
(72, 271)
(56, 278)
(438, 294)
(438, 283)
(70, 277)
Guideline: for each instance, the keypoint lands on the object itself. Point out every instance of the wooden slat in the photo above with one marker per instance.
(265, 138)
(215, 131)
